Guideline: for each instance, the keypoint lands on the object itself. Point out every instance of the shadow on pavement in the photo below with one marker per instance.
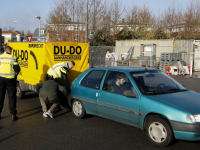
(30, 114)
(9, 137)
(60, 114)
(26, 111)
(30, 95)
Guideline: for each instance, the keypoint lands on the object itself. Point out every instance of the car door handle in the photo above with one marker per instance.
(98, 95)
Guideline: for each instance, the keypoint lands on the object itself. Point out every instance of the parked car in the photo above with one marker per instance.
(145, 98)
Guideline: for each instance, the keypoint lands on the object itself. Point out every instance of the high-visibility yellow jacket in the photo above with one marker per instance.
(6, 65)
(55, 70)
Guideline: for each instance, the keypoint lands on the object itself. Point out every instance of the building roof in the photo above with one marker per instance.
(131, 24)
(36, 33)
(10, 32)
(65, 24)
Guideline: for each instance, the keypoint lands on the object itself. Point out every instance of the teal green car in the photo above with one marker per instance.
(145, 98)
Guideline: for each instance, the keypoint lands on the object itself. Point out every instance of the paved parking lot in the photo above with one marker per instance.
(34, 132)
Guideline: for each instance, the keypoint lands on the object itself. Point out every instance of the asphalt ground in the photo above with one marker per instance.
(34, 132)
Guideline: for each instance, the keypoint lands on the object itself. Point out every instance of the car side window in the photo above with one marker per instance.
(93, 79)
(117, 82)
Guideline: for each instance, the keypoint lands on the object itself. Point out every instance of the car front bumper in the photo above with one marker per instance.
(186, 131)
(188, 136)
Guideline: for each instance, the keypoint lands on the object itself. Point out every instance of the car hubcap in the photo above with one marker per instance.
(157, 132)
(77, 108)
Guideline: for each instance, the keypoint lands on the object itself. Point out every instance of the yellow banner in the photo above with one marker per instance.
(36, 58)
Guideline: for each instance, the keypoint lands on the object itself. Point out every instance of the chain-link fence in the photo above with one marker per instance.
(98, 54)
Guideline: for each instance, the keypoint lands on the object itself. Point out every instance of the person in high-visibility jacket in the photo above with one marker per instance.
(60, 70)
(9, 69)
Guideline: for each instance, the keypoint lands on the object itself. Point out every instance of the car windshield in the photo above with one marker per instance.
(156, 82)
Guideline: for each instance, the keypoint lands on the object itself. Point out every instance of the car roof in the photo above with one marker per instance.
(127, 69)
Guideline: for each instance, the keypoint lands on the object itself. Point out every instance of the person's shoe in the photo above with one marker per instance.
(14, 117)
(49, 113)
(45, 114)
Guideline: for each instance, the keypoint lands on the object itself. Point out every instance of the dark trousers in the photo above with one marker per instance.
(10, 86)
(61, 96)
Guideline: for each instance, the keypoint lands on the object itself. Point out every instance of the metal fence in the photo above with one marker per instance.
(97, 55)
(157, 57)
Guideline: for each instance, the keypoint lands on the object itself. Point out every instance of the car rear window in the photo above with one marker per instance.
(93, 79)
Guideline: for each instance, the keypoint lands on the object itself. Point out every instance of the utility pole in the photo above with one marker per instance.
(38, 17)
(86, 31)
(94, 23)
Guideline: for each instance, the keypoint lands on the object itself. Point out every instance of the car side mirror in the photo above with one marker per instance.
(129, 93)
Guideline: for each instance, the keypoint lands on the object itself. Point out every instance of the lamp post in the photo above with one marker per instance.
(38, 17)
(86, 31)
(22, 24)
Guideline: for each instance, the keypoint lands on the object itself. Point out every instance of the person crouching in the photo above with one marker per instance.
(48, 91)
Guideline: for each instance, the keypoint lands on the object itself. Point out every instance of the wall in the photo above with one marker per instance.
(158, 46)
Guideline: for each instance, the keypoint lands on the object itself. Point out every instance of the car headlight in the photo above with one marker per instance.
(193, 118)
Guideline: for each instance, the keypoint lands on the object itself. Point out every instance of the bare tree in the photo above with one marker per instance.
(29, 32)
(105, 18)
(171, 21)
(192, 21)
(132, 18)
(9, 28)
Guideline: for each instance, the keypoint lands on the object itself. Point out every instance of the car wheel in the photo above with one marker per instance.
(159, 131)
(19, 93)
(78, 109)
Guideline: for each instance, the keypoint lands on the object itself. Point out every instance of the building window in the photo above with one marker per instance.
(76, 28)
(41, 32)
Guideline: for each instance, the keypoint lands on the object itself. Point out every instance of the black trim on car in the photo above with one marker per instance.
(109, 106)
(187, 127)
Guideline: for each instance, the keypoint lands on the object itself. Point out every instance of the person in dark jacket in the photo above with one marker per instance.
(118, 86)
(48, 91)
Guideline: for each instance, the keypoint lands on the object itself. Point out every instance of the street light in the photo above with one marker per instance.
(22, 24)
(38, 17)
(86, 31)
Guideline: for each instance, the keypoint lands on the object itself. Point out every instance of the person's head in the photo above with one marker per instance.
(8, 49)
(120, 79)
(71, 64)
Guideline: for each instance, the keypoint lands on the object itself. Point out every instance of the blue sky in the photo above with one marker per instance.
(24, 11)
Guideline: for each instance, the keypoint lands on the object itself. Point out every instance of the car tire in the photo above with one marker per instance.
(19, 93)
(159, 131)
(78, 109)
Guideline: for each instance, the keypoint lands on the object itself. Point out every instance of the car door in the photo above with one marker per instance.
(116, 106)
(88, 91)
